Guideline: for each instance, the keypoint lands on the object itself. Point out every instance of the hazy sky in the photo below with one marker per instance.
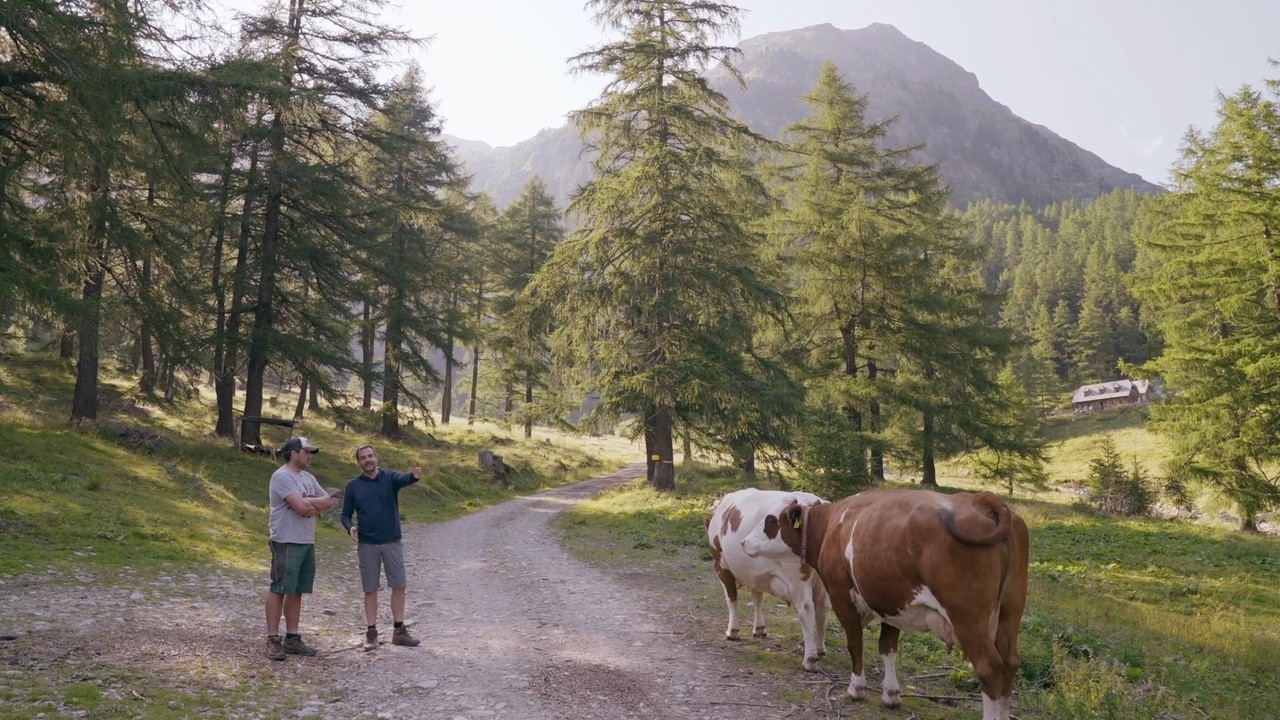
(1121, 78)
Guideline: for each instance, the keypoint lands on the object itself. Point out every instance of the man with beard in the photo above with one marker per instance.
(373, 497)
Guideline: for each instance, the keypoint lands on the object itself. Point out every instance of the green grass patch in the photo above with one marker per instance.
(1074, 441)
(1127, 618)
(105, 693)
(83, 497)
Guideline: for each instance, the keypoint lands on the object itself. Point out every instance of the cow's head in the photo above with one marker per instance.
(776, 535)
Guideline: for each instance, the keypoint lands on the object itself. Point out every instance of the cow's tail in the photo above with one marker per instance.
(980, 532)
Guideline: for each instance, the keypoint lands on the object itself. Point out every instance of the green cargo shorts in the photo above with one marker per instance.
(293, 568)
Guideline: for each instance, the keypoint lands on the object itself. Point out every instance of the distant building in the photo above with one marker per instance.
(1089, 398)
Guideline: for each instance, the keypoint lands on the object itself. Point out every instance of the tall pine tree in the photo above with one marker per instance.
(1213, 286)
(657, 287)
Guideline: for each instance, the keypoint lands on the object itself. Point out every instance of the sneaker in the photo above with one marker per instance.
(275, 648)
(401, 636)
(370, 638)
(295, 646)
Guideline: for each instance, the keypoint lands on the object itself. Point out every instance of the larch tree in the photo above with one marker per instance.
(657, 285)
(1212, 284)
(311, 218)
(527, 233)
(408, 266)
(846, 226)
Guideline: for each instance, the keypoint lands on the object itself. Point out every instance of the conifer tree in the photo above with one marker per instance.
(408, 265)
(326, 56)
(657, 285)
(527, 232)
(1213, 287)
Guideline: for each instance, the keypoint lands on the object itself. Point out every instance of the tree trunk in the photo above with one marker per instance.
(135, 353)
(528, 402)
(367, 333)
(227, 342)
(664, 471)
(877, 450)
(302, 400)
(849, 336)
(930, 477)
(84, 400)
(170, 382)
(313, 397)
(391, 371)
(147, 383)
(67, 346)
(475, 383)
(263, 319)
(446, 397)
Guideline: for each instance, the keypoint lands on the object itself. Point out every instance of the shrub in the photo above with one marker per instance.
(1117, 491)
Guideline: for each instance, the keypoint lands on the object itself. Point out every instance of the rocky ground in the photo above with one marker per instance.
(511, 627)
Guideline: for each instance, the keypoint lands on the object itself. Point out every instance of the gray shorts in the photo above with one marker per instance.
(375, 558)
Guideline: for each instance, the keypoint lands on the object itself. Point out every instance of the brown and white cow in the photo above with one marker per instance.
(955, 565)
(779, 574)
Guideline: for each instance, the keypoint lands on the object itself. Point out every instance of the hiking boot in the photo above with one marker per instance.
(275, 648)
(370, 638)
(401, 636)
(295, 646)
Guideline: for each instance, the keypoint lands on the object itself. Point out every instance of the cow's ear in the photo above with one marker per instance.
(794, 516)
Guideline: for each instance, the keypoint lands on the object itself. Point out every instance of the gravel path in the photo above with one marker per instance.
(511, 627)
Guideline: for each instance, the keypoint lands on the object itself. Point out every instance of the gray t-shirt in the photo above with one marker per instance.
(286, 525)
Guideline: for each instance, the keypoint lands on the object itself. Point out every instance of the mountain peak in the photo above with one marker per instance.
(982, 149)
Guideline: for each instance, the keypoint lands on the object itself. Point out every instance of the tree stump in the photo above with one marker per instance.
(499, 471)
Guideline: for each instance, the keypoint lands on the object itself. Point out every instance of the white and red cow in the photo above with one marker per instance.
(955, 565)
(779, 573)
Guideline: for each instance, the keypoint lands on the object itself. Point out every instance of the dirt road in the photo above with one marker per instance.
(512, 627)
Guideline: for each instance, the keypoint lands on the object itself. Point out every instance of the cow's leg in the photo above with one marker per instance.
(757, 620)
(1009, 619)
(851, 621)
(730, 584)
(1007, 626)
(820, 607)
(807, 609)
(891, 693)
(979, 646)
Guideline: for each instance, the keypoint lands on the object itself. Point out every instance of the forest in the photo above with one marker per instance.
(278, 211)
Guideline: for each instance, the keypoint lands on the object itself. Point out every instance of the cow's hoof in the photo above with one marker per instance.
(759, 632)
(811, 664)
(891, 700)
(732, 635)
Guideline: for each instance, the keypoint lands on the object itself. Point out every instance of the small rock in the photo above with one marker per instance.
(428, 684)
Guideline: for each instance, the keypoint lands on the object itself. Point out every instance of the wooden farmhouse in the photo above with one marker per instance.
(1090, 398)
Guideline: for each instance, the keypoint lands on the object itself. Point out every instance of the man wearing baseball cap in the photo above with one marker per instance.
(296, 498)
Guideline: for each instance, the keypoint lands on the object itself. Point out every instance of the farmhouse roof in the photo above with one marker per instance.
(1108, 390)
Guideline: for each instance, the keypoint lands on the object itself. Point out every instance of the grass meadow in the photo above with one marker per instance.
(1128, 618)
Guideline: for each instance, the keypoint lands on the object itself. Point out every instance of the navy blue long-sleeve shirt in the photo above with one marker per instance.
(376, 500)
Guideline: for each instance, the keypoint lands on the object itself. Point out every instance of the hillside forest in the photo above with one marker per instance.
(277, 211)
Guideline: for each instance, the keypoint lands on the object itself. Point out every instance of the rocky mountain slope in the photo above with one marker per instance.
(982, 149)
